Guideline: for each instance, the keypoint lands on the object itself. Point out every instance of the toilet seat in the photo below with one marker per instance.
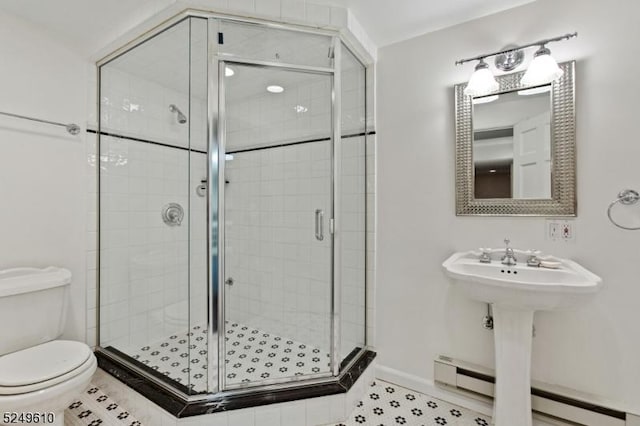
(42, 366)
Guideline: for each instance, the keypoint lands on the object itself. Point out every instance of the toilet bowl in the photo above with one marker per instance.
(38, 373)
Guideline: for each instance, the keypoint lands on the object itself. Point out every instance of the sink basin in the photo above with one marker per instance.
(522, 286)
(515, 293)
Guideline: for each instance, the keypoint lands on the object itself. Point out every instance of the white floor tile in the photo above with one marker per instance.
(94, 408)
(390, 405)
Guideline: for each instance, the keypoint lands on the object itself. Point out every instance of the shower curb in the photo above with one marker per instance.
(181, 408)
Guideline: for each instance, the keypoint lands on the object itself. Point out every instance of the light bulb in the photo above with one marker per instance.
(275, 89)
(228, 72)
(482, 81)
(542, 70)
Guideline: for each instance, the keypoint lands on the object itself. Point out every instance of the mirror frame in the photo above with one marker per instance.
(563, 200)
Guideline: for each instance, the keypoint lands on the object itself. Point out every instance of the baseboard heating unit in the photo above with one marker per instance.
(554, 404)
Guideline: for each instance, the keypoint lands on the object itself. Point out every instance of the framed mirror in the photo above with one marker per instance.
(516, 148)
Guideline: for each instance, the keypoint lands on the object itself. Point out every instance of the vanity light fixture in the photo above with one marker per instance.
(275, 89)
(482, 81)
(542, 70)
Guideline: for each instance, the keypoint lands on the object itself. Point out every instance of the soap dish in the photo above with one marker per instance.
(550, 264)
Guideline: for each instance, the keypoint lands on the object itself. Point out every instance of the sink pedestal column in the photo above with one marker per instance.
(513, 336)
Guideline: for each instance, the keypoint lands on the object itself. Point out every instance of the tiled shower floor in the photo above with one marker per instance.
(252, 355)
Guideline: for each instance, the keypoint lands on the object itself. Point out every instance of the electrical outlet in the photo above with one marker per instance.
(566, 231)
(560, 230)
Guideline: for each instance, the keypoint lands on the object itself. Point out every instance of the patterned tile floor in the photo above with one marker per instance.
(252, 355)
(383, 405)
(389, 405)
(94, 408)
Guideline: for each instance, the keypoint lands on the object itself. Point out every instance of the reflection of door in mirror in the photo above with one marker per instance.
(512, 145)
(532, 157)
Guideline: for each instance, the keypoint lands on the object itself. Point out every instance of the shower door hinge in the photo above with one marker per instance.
(332, 226)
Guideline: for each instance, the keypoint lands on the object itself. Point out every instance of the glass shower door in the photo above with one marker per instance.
(277, 136)
(152, 158)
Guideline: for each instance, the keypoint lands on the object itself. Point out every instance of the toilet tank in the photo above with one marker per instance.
(33, 306)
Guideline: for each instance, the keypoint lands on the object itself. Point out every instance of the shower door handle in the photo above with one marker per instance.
(319, 225)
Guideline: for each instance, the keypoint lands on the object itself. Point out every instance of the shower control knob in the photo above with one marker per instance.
(172, 214)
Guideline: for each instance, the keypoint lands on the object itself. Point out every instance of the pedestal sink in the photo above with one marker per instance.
(515, 293)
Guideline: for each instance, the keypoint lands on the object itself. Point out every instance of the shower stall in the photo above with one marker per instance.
(233, 207)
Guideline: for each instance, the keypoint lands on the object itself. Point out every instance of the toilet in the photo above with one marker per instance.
(38, 373)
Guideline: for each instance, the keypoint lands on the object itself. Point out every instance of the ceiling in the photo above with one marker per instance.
(89, 25)
(85, 25)
(391, 21)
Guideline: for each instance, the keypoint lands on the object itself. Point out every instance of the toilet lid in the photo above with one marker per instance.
(43, 362)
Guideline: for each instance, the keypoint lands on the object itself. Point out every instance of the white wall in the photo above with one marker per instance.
(42, 168)
(594, 349)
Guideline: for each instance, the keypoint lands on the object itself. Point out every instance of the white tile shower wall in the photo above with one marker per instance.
(137, 107)
(135, 103)
(353, 196)
(309, 412)
(268, 119)
(267, 189)
(353, 238)
(198, 271)
(145, 263)
(358, 259)
(92, 239)
(302, 112)
(281, 272)
(353, 97)
(371, 284)
(42, 174)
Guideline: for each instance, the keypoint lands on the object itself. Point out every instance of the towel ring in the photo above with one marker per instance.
(627, 197)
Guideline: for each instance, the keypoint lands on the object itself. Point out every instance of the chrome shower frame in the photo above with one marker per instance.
(216, 191)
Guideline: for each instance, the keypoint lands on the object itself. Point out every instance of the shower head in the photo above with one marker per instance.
(181, 117)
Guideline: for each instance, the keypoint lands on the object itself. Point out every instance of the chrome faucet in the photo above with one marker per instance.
(508, 258)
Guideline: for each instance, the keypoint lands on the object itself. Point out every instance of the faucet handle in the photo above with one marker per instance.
(507, 241)
(485, 255)
(533, 258)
